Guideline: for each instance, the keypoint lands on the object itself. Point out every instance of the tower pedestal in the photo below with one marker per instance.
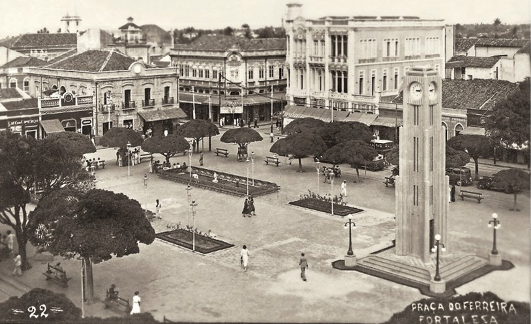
(438, 287)
(350, 261)
(495, 259)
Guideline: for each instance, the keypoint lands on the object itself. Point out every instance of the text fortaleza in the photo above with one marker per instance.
(467, 307)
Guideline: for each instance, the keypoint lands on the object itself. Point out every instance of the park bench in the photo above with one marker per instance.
(222, 151)
(272, 159)
(470, 194)
(56, 275)
(116, 302)
(389, 181)
(145, 155)
(99, 164)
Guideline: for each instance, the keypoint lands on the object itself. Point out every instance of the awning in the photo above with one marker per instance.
(473, 131)
(387, 122)
(52, 126)
(173, 113)
(363, 118)
(292, 111)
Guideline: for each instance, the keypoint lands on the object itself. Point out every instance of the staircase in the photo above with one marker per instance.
(395, 269)
(461, 267)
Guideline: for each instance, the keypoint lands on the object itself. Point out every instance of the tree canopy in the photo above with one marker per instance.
(475, 145)
(78, 144)
(512, 180)
(120, 136)
(168, 146)
(300, 146)
(304, 125)
(454, 158)
(334, 133)
(197, 129)
(241, 136)
(355, 152)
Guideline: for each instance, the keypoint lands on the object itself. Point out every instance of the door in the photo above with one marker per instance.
(127, 98)
(106, 127)
(166, 94)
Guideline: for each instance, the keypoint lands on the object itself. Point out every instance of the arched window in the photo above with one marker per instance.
(445, 131)
(13, 83)
(458, 129)
(26, 84)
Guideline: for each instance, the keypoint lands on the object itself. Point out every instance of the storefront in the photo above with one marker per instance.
(25, 126)
(156, 122)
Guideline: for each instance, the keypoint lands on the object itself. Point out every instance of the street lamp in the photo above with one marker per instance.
(331, 175)
(190, 162)
(495, 223)
(193, 205)
(331, 105)
(189, 196)
(128, 158)
(252, 166)
(318, 171)
(145, 187)
(350, 225)
(247, 175)
(436, 249)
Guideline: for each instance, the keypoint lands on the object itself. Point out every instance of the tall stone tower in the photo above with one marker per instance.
(422, 187)
(70, 23)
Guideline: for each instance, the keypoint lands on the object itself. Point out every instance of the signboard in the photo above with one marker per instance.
(86, 122)
(20, 122)
(299, 101)
(231, 110)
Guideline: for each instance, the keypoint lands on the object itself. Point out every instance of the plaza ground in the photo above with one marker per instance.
(183, 286)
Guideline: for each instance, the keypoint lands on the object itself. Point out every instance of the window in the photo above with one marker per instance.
(250, 74)
(261, 72)
(412, 46)
(368, 48)
(207, 74)
(194, 73)
(416, 116)
(13, 83)
(360, 82)
(147, 95)
(271, 71)
(26, 85)
(390, 47)
(186, 70)
(107, 97)
(384, 80)
(201, 73)
(316, 48)
(373, 82)
(214, 74)
(302, 79)
(280, 73)
(396, 79)
(333, 45)
(432, 45)
(181, 70)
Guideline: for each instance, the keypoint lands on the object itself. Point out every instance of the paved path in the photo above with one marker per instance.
(184, 286)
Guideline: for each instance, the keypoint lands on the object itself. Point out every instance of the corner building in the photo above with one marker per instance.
(349, 62)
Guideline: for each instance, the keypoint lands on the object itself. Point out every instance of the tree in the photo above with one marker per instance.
(353, 152)
(300, 146)
(120, 136)
(78, 144)
(497, 23)
(393, 155)
(228, 31)
(26, 164)
(168, 146)
(336, 132)
(474, 145)
(455, 158)
(304, 125)
(241, 136)
(247, 30)
(69, 311)
(197, 129)
(512, 180)
(94, 225)
(43, 31)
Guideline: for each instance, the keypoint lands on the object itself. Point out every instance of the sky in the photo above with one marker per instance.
(28, 16)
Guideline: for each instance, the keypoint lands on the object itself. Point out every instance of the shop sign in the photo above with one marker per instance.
(22, 122)
(231, 110)
(299, 101)
(86, 122)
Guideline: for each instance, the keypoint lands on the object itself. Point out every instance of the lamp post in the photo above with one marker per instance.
(128, 158)
(318, 171)
(247, 175)
(350, 225)
(495, 224)
(190, 162)
(193, 205)
(145, 187)
(436, 248)
(189, 196)
(252, 167)
(331, 174)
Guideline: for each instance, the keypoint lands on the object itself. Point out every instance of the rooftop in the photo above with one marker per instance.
(95, 61)
(464, 44)
(45, 40)
(224, 43)
(9, 93)
(24, 61)
(472, 61)
(368, 17)
(21, 104)
(66, 54)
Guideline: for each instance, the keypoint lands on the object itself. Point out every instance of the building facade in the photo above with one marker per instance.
(44, 46)
(14, 74)
(241, 76)
(100, 89)
(19, 113)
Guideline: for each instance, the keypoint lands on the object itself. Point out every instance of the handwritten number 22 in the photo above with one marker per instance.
(33, 310)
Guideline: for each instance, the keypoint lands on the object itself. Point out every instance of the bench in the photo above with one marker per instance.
(99, 164)
(56, 275)
(116, 302)
(222, 151)
(272, 159)
(470, 194)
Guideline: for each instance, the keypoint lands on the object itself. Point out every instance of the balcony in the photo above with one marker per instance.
(148, 103)
(167, 101)
(66, 101)
(316, 59)
(107, 108)
(128, 105)
(338, 59)
(390, 58)
(367, 60)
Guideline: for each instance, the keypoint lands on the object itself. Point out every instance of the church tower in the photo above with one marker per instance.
(422, 187)
(70, 23)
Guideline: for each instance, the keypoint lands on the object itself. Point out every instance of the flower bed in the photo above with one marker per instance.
(324, 204)
(203, 243)
(227, 183)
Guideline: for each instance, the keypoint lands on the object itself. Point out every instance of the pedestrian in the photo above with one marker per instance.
(245, 211)
(272, 137)
(158, 206)
(344, 188)
(452, 194)
(303, 263)
(201, 158)
(256, 123)
(18, 265)
(251, 206)
(151, 166)
(249, 123)
(136, 304)
(165, 132)
(10, 241)
(449, 194)
(244, 257)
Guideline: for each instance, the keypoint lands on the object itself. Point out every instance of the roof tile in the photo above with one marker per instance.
(94, 61)
(24, 61)
(472, 61)
(46, 40)
(224, 43)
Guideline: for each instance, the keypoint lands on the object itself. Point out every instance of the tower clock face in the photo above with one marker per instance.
(432, 91)
(415, 91)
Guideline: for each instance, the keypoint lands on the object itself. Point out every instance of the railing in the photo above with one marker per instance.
(316, 58)
(432, 55)
(107, 108)
(56, 102)
(128, 105)
(338, 59)
(367, 60)
(412, 57)
(167, 101)
(389, 58)
(148, 103)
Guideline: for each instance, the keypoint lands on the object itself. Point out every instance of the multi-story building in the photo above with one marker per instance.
(348, 62)
(19, 112)
(100, 89)
(44, 46)
(14, 74)
(231, 77)
(132, 41)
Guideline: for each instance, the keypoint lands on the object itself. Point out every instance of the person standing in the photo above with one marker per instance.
(136, 303)
(18, 266)
(452, 194)
(255, 122)
(10, 241)
(344, 188)
(303, 263)
(244, 257)
(158, 206)
(201, 158)
(251, 206)
(272, 137)
(245, 211)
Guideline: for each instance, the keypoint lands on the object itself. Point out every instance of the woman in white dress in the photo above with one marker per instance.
(136, 304)
(245, 257)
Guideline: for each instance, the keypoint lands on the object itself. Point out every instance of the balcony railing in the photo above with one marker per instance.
(167, 101)
(148, 103)
(128, 105)
(59, 102)
(107, 108)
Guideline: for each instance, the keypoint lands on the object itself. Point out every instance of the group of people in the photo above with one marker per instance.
(330, 173)
(112, 294)
(123, 157)
(248, 207)
(7, 249)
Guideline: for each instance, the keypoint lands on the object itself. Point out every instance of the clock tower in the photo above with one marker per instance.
(422, 187)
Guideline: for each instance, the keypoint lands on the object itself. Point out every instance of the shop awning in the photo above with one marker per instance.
(292, 111)
(387, 122)
(363, 118)
(52, 126)
(165, 114)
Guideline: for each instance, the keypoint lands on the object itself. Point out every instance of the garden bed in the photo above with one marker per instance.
(227, 183)
(325, 206)
(183, 238)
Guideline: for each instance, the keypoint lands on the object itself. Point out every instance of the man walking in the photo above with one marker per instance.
(303, 263)
(158, 206)
(344, 188)
(18, 266)
(272, 137)
(201, 158)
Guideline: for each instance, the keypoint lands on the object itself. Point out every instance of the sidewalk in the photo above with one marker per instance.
(502, 164)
